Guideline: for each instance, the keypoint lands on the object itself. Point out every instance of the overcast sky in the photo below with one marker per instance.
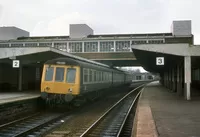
(52, 17)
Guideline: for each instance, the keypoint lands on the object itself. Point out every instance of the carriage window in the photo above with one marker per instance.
(71, 74)
(95, 76)
(49, 74)
(59, 74)
(90, 75)
(85, 75)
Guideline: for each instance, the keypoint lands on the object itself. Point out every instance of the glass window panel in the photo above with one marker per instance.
(90, 46)
(85, 75)
(45, 44)
(17, 45)
(90, 75)
(71, 75)
(107, 46)
(4, 45)
(95, 76)
(75, 46)
(49, 74)
(31, 44)
(59, 74)
(122, 45)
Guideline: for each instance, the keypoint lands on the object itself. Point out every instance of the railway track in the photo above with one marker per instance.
(41, 124)
(117, 120)
(32, 126)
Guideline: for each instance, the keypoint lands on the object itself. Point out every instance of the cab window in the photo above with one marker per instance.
(49, 74)
(59, 74)
(71, 74)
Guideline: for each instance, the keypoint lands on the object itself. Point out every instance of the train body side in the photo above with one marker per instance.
(84, 78)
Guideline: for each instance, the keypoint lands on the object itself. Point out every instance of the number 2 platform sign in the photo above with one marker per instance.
(160, 61)
(15, 63)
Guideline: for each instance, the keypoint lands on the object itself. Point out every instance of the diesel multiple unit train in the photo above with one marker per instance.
(65, 79)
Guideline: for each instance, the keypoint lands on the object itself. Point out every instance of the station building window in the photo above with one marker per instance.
(4, 45)
(90, 46)
(17, 45)
(75, 46)
(123, 46)
(137, 42)
(45, 44)
(37, 74)
(61, 45)
(31, 44)
(149, 77)
(107, 46)
(155, 41)
(138, 77)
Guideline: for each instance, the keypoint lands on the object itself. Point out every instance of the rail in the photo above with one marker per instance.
(96, 124)
(29, 125)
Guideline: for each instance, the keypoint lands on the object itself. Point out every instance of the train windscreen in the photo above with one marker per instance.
(71, 74)
(49, 74)
(59, 74)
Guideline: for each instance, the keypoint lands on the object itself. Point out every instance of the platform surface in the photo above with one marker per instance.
(161, 113)
(7, 97)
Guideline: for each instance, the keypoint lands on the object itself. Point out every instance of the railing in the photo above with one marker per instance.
(83, 46)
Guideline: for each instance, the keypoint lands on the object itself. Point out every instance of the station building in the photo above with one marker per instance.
(110, 49)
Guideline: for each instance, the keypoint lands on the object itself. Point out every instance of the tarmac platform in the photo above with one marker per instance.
(161, 113)
(9, 97)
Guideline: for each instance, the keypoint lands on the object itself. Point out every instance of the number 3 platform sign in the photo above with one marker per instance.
(15, 63)
(159, 60)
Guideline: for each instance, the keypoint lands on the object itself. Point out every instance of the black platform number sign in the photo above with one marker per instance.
(15, 63)
(159, 60)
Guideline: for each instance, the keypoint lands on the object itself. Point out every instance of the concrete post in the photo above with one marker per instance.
(20, 79)
(68, 47)
(187, 77)
(114, 46)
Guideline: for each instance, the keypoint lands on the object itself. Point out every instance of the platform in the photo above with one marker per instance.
(161, 113)
(8, 97)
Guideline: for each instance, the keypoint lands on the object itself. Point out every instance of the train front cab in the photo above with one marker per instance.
(60, 82)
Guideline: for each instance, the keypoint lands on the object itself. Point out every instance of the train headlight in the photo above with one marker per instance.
(47, 88)
(70, 89)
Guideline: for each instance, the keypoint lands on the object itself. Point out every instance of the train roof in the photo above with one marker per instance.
(72, 61)
(64, 61)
